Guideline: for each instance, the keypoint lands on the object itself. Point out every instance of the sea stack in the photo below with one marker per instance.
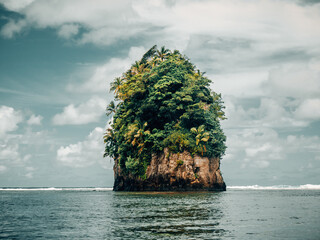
(165, 134)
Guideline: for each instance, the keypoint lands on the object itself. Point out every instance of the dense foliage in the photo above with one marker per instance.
(162, 101)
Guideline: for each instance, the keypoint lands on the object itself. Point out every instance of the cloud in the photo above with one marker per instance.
(9, 118)
(104, 22)
(244, 85)
(85, 153)
(3, 169)
(10, 154)
(302, 144)
(297, 80)
(260, 147)
(35, 120)
(309, 109)
(30, 172)
(84, 113)
(268, 112)
(9, 151)
(16, 5)
(68, 30)
(254, 147)
(104, 74)
(12, 28)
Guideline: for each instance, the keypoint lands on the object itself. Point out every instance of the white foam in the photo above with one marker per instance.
(277, 187)
(56, 189)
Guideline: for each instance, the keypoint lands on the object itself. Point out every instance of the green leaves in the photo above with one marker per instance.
(201, 138)
(111, 108)
(163, 102)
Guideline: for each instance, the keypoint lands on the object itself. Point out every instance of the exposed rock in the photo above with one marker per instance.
(174, 172)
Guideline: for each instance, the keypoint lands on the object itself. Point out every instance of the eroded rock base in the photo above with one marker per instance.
(174, 172)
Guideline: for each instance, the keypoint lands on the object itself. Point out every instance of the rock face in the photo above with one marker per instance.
(174, 172)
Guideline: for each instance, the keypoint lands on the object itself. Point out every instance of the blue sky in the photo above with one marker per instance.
(57, 59)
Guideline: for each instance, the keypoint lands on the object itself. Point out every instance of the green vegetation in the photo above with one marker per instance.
(163, 101)
(179, 163)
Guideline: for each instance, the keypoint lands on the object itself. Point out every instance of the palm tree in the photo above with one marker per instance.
(116, 85)
(137, 68)
(149, 54)
(200, 74)
(201, 137)
(136, 135)
(111, 108)
(163, 53)
(109, 134)
(109, 138)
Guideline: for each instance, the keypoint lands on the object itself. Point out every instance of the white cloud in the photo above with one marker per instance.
(68, 30)
(309, 109)
(261, 164)
(259, 147)
(9, 118)
(9, 151)
(16, 5)
(30, 172)
(297, 80)
(104, 21)
(269, 113)
(87, 112)
(85, 153)
(35, 120)
(13, 145)
(12, 27)
(29, 175)
(103, 75)
(254, 147)
(246, 84)
(3, 169)
(302, 143)
(269, 24)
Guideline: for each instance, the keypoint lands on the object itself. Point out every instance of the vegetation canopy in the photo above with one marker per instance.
(162, 101)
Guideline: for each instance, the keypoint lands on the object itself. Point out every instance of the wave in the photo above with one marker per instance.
(277, 187)
(56, 189)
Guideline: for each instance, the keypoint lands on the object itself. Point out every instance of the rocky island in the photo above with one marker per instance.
(165, 133)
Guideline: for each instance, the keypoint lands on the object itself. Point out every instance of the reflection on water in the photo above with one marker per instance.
(234, 214)
(178, 215)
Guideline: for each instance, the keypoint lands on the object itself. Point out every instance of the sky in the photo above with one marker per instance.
(57, 59)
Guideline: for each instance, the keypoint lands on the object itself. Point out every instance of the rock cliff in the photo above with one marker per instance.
(174, 172)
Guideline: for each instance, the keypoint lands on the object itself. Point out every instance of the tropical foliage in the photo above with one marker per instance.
(163, 101)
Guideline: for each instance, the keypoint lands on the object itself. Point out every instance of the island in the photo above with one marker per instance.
(164, 133)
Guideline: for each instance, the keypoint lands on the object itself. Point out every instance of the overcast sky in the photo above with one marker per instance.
(57, 59)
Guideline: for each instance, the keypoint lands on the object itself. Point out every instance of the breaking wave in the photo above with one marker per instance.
(56, 189)
(277, 187)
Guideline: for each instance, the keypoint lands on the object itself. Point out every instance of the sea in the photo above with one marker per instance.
(241, 212)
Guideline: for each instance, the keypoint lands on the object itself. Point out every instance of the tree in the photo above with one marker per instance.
(137, 68)
(116, 85)
(163, 53)
(111, 108)
(149, 54)
(201, 137)
(164, 101)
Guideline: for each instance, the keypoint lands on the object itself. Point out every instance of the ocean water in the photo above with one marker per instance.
(251, 212)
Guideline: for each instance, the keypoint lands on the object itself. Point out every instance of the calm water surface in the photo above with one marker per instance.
(234, 214)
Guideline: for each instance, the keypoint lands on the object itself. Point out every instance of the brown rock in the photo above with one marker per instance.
(174, 172)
